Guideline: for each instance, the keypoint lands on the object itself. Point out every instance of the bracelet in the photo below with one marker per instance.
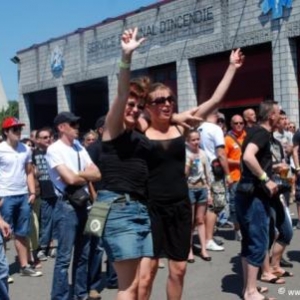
(124, 65)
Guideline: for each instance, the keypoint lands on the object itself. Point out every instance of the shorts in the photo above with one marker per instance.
(127, 232)
(171, 229)
(198, 195)
(253, 215)
(16, 211)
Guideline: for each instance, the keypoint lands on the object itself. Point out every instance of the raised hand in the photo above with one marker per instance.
(129, 40)
(236, 58)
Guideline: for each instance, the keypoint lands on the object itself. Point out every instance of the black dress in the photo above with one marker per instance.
(169, 206)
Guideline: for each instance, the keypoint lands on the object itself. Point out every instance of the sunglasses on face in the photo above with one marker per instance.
(133, 105)
(238, 123)
(46, 137)
(292, 127)
(163, 100)
(74, 124)
(221, 120)
(16, 129)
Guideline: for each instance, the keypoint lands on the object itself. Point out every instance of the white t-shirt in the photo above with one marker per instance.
(13, 177)
(61, 154)
(212, 137)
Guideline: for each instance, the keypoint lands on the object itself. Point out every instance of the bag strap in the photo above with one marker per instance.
(234, 138)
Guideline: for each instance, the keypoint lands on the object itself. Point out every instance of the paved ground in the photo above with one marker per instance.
(218, 279)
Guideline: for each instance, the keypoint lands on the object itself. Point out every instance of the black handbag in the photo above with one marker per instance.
(77, 195)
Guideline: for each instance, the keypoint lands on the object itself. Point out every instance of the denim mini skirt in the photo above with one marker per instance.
(127, 232)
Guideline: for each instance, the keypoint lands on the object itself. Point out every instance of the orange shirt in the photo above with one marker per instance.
(234, 152)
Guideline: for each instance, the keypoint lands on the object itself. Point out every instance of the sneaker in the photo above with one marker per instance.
(52, 253)
(161, 264)
(41, 255)
(237, 235)
(10, 280)
(94, 295)
(212, 246)
(28, 271)
(218, 241)
(298, 225)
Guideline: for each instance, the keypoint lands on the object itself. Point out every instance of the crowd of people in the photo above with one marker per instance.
(160, 176)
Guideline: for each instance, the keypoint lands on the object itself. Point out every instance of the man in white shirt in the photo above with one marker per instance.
(17, 189)
(70, 164)
(213, 143)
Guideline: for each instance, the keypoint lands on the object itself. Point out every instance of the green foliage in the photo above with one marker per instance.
(11, 111)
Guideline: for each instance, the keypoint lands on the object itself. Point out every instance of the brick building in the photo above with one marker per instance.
(187, 47)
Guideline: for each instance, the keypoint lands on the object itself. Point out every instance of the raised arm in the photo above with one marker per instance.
(114, 124)
(235, 62)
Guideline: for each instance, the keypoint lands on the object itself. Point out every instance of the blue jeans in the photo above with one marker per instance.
(253, 215)
(3, 272)
(16, 211)
(70, 226)
(95, 266)
(232, 191)
(47, 228)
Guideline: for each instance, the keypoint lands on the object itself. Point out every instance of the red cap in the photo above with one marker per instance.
(11, 122)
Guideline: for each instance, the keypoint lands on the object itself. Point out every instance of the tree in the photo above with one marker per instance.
(11, 111)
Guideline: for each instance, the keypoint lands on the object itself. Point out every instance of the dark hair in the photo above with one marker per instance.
(264, 110)
(190, 131)
(48, 129)
(26, 140)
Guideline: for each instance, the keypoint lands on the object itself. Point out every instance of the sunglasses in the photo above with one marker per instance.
(46, 137)
(74, 124)
(292, 127)
(16, 129)
(238, 123)
(163, 100)
(133, 105)
(220, 120)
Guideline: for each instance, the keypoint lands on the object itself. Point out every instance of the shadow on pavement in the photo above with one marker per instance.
(293, 255)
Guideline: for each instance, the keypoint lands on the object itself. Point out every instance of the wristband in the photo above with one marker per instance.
(124, 65)
(264, 177)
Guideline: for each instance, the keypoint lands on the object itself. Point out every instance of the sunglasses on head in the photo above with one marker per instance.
(162, 100)
(16, 129)
(133, 104)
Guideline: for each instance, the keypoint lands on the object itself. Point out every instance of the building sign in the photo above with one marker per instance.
(276, 6)
(180, 27)
(57, 62)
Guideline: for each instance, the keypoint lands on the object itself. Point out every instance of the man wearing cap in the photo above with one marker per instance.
(70, 164)
(17, 189)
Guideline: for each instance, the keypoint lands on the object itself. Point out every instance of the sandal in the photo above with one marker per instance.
(284, 274)
(275, 280)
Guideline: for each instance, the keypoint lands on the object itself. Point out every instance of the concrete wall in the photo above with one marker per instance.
(202, 28)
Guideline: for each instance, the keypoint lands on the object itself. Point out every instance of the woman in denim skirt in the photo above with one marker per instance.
(127, 233)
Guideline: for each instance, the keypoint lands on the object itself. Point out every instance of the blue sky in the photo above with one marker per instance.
(27, 22)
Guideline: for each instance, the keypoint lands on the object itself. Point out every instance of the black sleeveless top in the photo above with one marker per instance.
(123, 164)
(167, 182)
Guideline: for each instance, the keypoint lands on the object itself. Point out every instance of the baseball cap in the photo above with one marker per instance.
(11, 122)
(100, 122)
(65, 117)
(221, 116)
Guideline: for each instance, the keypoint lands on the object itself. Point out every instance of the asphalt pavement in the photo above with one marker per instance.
(218, 279)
